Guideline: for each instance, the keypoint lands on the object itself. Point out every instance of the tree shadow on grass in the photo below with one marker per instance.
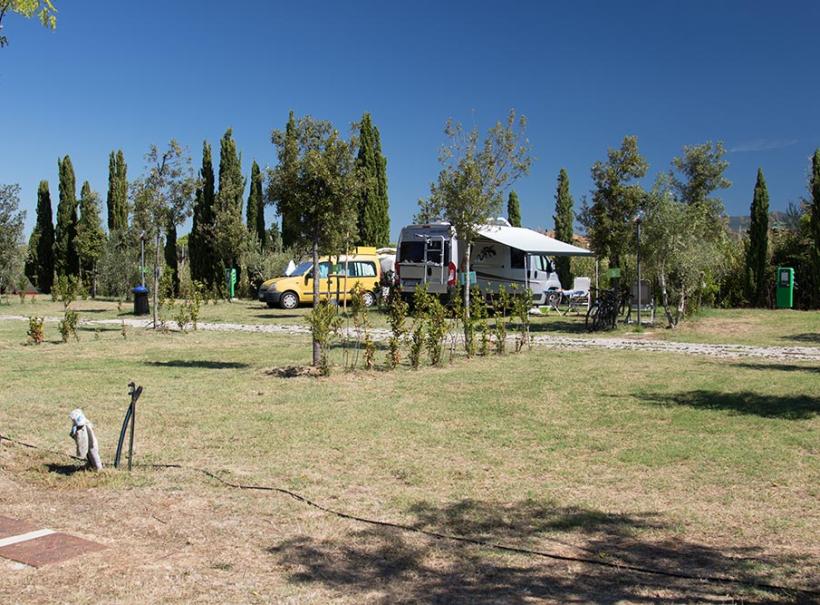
(65, 469)
(782, 367)
(810, 337)
(391, 566)
(788, 407)
(199, 363)
(278, 315)
(559, 326)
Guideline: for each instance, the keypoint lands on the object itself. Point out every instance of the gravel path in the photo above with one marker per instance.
(552, 342)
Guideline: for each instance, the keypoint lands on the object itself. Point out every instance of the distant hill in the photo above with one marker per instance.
(741, 223)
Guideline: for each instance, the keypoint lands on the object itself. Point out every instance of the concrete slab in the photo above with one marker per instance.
(51, 548)
(14, 527)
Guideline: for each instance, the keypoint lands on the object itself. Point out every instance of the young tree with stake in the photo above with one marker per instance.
(315, 185)
(474, 176)
(163, 196)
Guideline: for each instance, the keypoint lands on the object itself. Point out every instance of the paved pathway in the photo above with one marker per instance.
(547, 341)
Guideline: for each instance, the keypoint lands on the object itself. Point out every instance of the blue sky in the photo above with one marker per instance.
(128, 74)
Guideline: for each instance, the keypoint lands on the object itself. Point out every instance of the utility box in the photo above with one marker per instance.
(785, 288)
(230, 282)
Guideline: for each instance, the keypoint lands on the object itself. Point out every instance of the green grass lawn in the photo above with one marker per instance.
(709, 464)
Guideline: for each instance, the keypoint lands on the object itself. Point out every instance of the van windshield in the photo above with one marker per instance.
(301, 269)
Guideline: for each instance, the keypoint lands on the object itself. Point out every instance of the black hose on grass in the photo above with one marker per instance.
(462, 539)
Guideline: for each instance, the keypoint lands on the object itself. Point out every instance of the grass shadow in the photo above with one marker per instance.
(64, 469)
(563, 326)
(810, 337)
(392, 566)
(783, 367)
(278, 315)
(200, 364)
(788, 407)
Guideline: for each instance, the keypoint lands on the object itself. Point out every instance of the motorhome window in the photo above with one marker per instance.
(412, 252)
(516, 258)
(538, 263)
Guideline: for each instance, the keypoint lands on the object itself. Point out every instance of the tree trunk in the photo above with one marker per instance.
(468, 334)
(665, 299)
(317, 347)
(681, 306)
(94, 281)
(156, 280)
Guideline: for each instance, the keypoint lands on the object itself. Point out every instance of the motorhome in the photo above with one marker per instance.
(431, 254)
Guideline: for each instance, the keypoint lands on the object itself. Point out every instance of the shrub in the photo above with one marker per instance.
(324, 323)
(36, 330)
(396, 317)
(68, 325)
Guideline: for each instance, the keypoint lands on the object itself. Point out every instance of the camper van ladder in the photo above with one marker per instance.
(441, 264)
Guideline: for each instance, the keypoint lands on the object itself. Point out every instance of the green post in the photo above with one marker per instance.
(230, 279)
(785, 287)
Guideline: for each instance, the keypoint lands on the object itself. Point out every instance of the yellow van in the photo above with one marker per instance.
(338, 275)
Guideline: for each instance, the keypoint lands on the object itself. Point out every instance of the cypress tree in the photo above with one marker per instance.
(814, 226)
(90, 235)
(290, 223)
(229, 231)
(513, 209)
(382, 222)
(373, 221)
(171, 256)
(66, 259)
(30, 267)
(564, 218)
(255, 214)
(117, 199)
(757, 254)
(42, 254)
(200, 242)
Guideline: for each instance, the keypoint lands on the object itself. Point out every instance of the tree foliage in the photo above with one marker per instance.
(90, 234)
(66, 258)
(513, 209)
(229, 232)
(40, 264)
(373, 221)
(290, 227)
(117, 199)
(255, 214)
(615, 201)
(814, 226)
(204, 263)
(12, 252)
(757, 258)
(700, 173)
(43, 9)
(564, 219)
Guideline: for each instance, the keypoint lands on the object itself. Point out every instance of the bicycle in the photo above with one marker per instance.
(605, 310)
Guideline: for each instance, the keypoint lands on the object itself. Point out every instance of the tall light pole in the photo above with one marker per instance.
(142, 259)
(638, 220)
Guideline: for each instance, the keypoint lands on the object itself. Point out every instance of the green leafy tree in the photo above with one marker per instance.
(757, 257)
(615, 202)
(229, 232)
(90, 236)
(40, 266)
(513, 209)
(474, 175)
(162, 197)
(66, 259)
(290, 226)
(255, 214)
(204, 267)
(564, 218)
(373, 223)
(701, 172)
(43, 9)
(814, 226)
(117, 200)
(12, 251)
(315, 184)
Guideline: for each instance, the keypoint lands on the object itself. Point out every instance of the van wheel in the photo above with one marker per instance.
(369, 299)
(289, 300)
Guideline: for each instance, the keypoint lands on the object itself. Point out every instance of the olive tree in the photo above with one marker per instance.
(12, 252)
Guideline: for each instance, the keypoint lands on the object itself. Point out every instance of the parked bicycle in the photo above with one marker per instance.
(605, 310)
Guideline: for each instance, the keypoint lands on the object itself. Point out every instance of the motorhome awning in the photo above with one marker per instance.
(531, 241)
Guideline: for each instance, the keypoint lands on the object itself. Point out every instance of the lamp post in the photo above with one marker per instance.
(142, 259)
(638, 220)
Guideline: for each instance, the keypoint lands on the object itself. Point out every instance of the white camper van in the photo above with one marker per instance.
(502, 255)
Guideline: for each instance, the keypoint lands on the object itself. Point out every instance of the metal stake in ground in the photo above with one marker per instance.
(135, 392)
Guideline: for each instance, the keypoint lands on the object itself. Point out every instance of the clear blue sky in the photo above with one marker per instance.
(128, 74)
